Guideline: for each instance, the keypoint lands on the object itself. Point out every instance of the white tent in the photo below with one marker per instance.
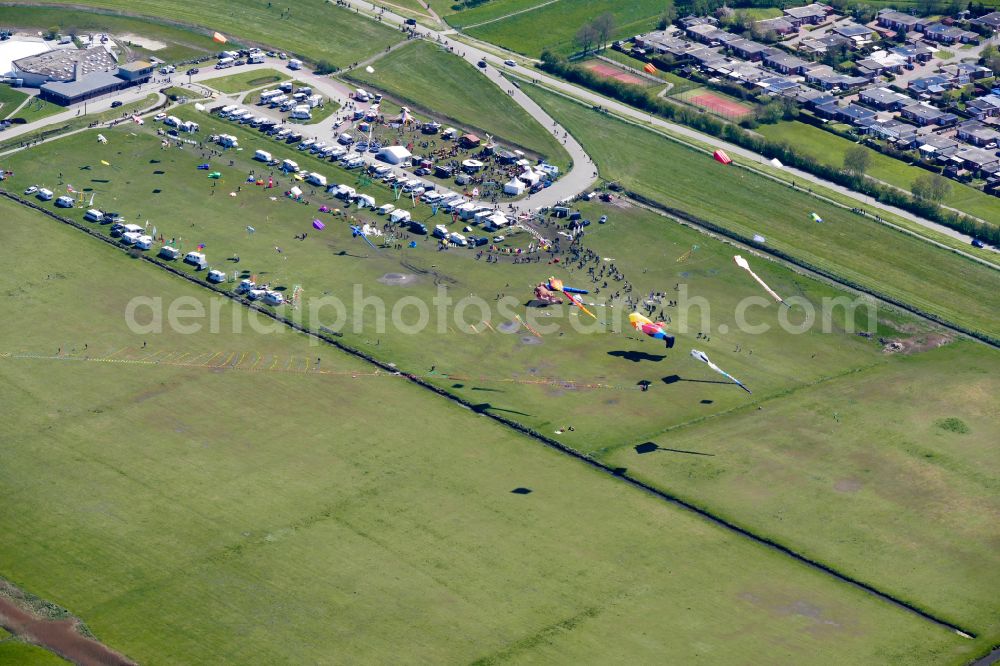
(514, 187)
(776, 162)
(394, 154)
(529, 177)
(295, 191)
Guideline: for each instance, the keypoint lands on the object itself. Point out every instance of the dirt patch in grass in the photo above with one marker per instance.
(916, 344)
(61, 636)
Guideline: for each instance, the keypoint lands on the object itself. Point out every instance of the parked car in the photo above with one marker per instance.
(31, 190)
(115, 104)
(481, 64)
(510, 63)
(216, 276)
(977, 243)
(498, 239)
(160, 117)
(192, 71)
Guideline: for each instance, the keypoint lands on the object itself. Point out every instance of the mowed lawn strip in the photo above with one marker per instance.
(428, 77)
(247, 80)
(197, 514)
(888, 474)
(829, 149)
(554, 25)
(848, 245)
(314, 29)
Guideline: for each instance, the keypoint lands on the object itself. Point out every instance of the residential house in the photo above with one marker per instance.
(949, 34)
(884, 99)
(706, 57)
(879, 63)
(691, 21)
(890, 18)
(785, 63)
(965, 72)
(925, 114)
(748, 49)
(780, 25)
(859, 34)
(902, 134)
(984, 107)
(825, 43)
(990, 21)
(851, 113)
(827, 79)
(914, 53)
(978, 134)
(929, 86)
(779, 85)
(937, 147)
(808, 15)
(706, 33)
(975, 159)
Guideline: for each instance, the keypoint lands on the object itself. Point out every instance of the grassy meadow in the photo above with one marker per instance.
(308, 517)
(246, 80)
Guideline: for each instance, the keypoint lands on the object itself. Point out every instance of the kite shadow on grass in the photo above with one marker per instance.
(652, 447)
(673, 379)
(637, 356)
(482, 407)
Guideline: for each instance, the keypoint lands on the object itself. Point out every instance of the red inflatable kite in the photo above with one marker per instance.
(720, 156)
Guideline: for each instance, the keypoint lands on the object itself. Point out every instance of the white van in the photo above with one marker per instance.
(144, 242)
(190, 126)
(457, 239)
(399, 216)
(226, 110)
(316, 179)
(131, 237)
(262, 156)
(194, 258)
(365, 201)
(172, 121)
(216, 276)
(169, 252)
(361, 95)
(64, 202)
(224, 63)
(385, 209)
(44, 194)
(289, 165)
(294, 64)
(274, 298)
(345, 139)
(93, 215)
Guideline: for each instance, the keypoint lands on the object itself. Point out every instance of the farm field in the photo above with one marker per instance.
(531, 383)
(829, 149)
(172, 43)
(425, 76)
(246, 80)
(562, 19)
(284, 534)
(305, 30)
(851, 246)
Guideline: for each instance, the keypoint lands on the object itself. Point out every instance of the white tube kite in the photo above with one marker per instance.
(703, 357)
(742, 263)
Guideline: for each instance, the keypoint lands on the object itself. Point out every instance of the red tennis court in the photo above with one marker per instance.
(612, 72)
(720, 105)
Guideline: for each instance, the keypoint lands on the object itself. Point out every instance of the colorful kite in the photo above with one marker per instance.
(215, 175)
(318, 225)
(203, 167)
(105, 163)
(357, 231)
(742, 263)
(571, 294)
(720, 156)
(687, 255)
(703, 357)
(816, 218)
(219, 38)
(652, 329)
(370, 69)
(649, 68)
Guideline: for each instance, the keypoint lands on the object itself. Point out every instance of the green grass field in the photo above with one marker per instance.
(302, 514)
(561, 20)
(180, 91)
(181, 44)
(829, 149)
(16, 653)
(305, 30)
(10, 99)
(425, 76)
(251, 79)
(847, 244)
(859, 471)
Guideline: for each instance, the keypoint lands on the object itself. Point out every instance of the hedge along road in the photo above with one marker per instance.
(474, 54)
